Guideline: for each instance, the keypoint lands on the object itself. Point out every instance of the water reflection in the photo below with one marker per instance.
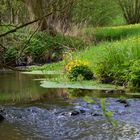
(16, 87)
(76, 93)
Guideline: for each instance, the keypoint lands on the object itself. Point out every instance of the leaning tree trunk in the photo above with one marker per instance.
(36, 10)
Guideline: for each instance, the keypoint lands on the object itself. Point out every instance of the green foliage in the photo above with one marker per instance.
(115, 64)
(81, 72)
(130, 10)
(41, 47)
(13, 11)
(107, 114)
(10, 54)
(95, 12)
(112, 62)
(49, 67)
(42, 41)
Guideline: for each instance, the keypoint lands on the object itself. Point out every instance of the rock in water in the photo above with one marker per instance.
(1, 118)
(123, 101)
(74, 113)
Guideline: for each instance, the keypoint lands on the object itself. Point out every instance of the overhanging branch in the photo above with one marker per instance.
(24, 25)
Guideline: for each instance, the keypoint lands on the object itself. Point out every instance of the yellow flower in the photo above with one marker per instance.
(75, 63)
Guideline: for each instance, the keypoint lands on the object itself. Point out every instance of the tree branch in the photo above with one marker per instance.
(24, 25)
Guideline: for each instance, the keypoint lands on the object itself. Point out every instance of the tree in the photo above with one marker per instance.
(36, 10)
(12, 12)
(61, 13)
(95, 12)
(130, 10)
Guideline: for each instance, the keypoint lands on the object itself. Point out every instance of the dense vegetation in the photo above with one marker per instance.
(40, 48)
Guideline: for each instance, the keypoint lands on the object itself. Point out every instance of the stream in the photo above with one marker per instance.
(32, 112)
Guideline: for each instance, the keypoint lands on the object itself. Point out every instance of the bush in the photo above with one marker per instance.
(79, 70)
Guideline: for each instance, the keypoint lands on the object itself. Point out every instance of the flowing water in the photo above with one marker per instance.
(35, 113)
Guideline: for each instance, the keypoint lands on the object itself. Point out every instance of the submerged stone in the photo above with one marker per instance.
(74, 113)
(122, 101)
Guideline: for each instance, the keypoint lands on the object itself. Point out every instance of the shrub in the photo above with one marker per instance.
(79, 70)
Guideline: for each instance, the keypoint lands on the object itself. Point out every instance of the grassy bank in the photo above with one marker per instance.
(116, 62)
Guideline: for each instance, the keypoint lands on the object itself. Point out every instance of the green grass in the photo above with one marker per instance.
(113, 33)
(59, 66)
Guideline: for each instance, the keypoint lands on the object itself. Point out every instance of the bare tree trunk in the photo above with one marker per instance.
(62, 13)
(35, 8)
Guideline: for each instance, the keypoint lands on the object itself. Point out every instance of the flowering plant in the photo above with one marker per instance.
(79, 70)
(75, 63)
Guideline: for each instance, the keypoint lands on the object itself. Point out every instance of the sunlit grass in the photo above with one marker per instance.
(113, 33)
